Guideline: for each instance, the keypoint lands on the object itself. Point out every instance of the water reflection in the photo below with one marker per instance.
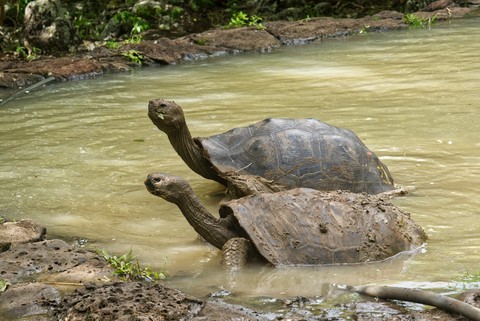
(74, 156)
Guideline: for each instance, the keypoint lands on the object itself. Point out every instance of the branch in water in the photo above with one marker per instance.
(424, 297)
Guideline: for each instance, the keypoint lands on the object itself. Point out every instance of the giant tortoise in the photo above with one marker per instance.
(286, 152)
(296, 227)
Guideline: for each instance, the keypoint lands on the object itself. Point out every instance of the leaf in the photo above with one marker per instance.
(3, 285)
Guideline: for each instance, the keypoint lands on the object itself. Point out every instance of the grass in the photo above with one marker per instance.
(465, 281)
(127, 268)
(134, 56)
(415, 21)
(3, 285)
(241, 19)
(29, 55)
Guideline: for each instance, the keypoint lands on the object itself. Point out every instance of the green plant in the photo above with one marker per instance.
(241, 19)
(21, 51)
(3, 285)
(238, 19)
(139, 25)
(256, 21)
(127, 268)
(175, 13)
(201, 42)
(466, 281)
(467, 277)
(14, 16)
(364, 29)
(417, 22)
(134, 56)
(31, 55)
(135, 23)
(112, 44)
(34, 54)
(135, 39)
(306, 19)
(86, 28)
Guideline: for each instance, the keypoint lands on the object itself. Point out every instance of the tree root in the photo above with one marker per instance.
(424, 297)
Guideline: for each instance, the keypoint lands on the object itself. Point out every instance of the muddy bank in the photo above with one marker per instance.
(95, 59)
(53, 280)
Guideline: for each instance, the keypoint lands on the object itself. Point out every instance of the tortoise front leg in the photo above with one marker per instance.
(236, 253)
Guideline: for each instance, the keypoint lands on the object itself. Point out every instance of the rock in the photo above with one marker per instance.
(32, 260)
(160, 53)
(386, 14)
(471, 296)
(147, 8)
(127, 301)
(64, 68)
(23, 231)
(218, 310)
(438, 5)
(18, 80)
(238, 39)
(305, 31)
(27, 300)
(47, 26)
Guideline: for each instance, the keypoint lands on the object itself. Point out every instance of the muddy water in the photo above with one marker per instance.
(74, 156)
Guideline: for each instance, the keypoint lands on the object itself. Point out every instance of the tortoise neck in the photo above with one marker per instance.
(215, 231)
(192, 153)
(185, 146)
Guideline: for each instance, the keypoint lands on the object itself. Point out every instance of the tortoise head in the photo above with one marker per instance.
(166, 115)
(170, 188)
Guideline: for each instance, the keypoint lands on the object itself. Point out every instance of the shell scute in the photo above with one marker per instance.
(309, 227)
(299, 153)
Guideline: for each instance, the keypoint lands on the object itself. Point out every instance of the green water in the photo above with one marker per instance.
(73, 156)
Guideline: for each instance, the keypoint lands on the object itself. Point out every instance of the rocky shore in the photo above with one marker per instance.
(93, 59)
(50, 279)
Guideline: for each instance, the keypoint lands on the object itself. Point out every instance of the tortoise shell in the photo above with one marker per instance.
(299, 153)
(310, 227)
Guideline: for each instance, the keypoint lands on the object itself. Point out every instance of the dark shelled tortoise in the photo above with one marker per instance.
(296, 227)
(286, 152)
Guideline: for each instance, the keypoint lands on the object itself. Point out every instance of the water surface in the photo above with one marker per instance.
(74, 155)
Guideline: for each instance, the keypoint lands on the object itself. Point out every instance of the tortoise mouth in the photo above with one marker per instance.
(156, 109)
(157, 114)
(149, 185)
(150, 182)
